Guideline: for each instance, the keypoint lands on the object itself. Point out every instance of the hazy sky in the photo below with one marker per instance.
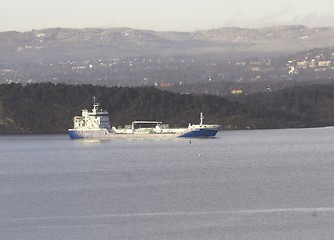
(163, 15)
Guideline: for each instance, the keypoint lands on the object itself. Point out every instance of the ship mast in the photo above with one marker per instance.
(95, 105)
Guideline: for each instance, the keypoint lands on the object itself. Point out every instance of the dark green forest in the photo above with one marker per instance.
(50, 108)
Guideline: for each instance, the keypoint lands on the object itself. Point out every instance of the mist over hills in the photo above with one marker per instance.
(94, 43)
(129, 57)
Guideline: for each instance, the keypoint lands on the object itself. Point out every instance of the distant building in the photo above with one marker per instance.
(236, 91)
(242, 64)
(255, 69)
(293, 71)
(324, 63)
(303, 64)
(165, 85)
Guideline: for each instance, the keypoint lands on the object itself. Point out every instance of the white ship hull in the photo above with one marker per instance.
(105, 134)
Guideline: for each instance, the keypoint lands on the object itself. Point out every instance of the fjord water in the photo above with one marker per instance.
(255, 184)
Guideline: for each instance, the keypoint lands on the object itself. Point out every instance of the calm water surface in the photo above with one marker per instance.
(256, 184)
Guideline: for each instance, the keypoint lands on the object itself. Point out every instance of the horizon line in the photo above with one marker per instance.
(151, 30)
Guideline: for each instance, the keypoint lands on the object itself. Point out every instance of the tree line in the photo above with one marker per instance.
(50, 108)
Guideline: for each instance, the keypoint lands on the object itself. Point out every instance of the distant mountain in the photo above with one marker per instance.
(94, 43)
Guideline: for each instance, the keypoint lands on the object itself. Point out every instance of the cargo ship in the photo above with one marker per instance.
(95, 124)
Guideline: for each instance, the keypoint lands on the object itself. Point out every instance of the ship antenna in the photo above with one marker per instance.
(201, 117)
(94, 101)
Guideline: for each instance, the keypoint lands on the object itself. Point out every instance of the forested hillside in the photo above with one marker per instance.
(49, 108)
